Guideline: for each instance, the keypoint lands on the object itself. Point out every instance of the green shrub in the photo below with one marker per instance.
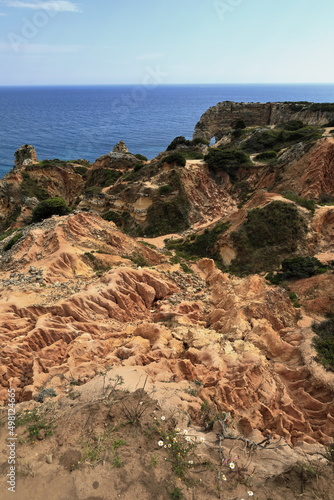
(166, 189)
(199, 245)
(293, 125)
(267, 236)
(266, 155)
(93, 191)
(178, 141)
(303, 202)
(261, 140)
(175, 159)
(324, 342)
(322, 106)
(47, 208)
(164, 217)
(301, 267)
(228, 160)
(239, 125)
(326, 199)
(81, 171)
(12, 241)
(141, 157)
(135, 174)
(192, 154)
(199, 141)
(102, 177)
(182, 141)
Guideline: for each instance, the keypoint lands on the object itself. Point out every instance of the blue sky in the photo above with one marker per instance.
(45, 42)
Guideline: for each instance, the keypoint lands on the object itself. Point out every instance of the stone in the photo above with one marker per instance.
(25, 155)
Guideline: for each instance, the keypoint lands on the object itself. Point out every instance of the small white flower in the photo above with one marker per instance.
(161, 443)
(185, 431)
(163, 418)
(174, 440)
(190, 462)
(224, 477)
(202, 439)
(165, 446)
(232, 465)
(188, 439)
(177, 429)
(169, 446)
(250, 493)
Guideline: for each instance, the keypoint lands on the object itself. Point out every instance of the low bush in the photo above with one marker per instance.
(165, 190)
(102, 177)
(141, 157)
(47, 208)
(239, 125)
(268, 236)
(199, 245)
(301, 267)
(175, 159)
(228, 160)
(12, 241)
(165, 217)
(303, 202)
(266, 155)
(324, 342)
(182, 141)
(293, 125)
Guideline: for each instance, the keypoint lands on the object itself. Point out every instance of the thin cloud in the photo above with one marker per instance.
(40, 48)
(53, 5)
(146, 57)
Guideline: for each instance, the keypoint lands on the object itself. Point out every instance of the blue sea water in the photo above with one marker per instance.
(87, 121)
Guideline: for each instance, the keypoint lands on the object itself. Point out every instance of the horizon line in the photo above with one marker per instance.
(158, 85)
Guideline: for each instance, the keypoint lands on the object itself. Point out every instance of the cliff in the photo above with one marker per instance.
(146, 315)
(225, 114)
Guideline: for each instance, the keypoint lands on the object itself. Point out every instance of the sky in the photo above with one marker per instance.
(60, 42)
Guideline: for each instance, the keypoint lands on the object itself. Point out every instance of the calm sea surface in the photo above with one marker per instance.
(86, 122)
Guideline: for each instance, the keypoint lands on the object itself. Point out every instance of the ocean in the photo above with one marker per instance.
(87, 121)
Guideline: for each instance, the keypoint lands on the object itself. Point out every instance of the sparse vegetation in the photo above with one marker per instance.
(31, 188)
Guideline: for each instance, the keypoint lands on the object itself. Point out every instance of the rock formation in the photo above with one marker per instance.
(25, 155)
(225, 114)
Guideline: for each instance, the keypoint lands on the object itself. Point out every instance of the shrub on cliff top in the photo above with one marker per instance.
(175, 159)
(228, 160)
(47, 208)
(268, 236)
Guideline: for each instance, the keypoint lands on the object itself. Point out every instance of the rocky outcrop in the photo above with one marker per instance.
(25, 155)
(118, 158)
(215, 121)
